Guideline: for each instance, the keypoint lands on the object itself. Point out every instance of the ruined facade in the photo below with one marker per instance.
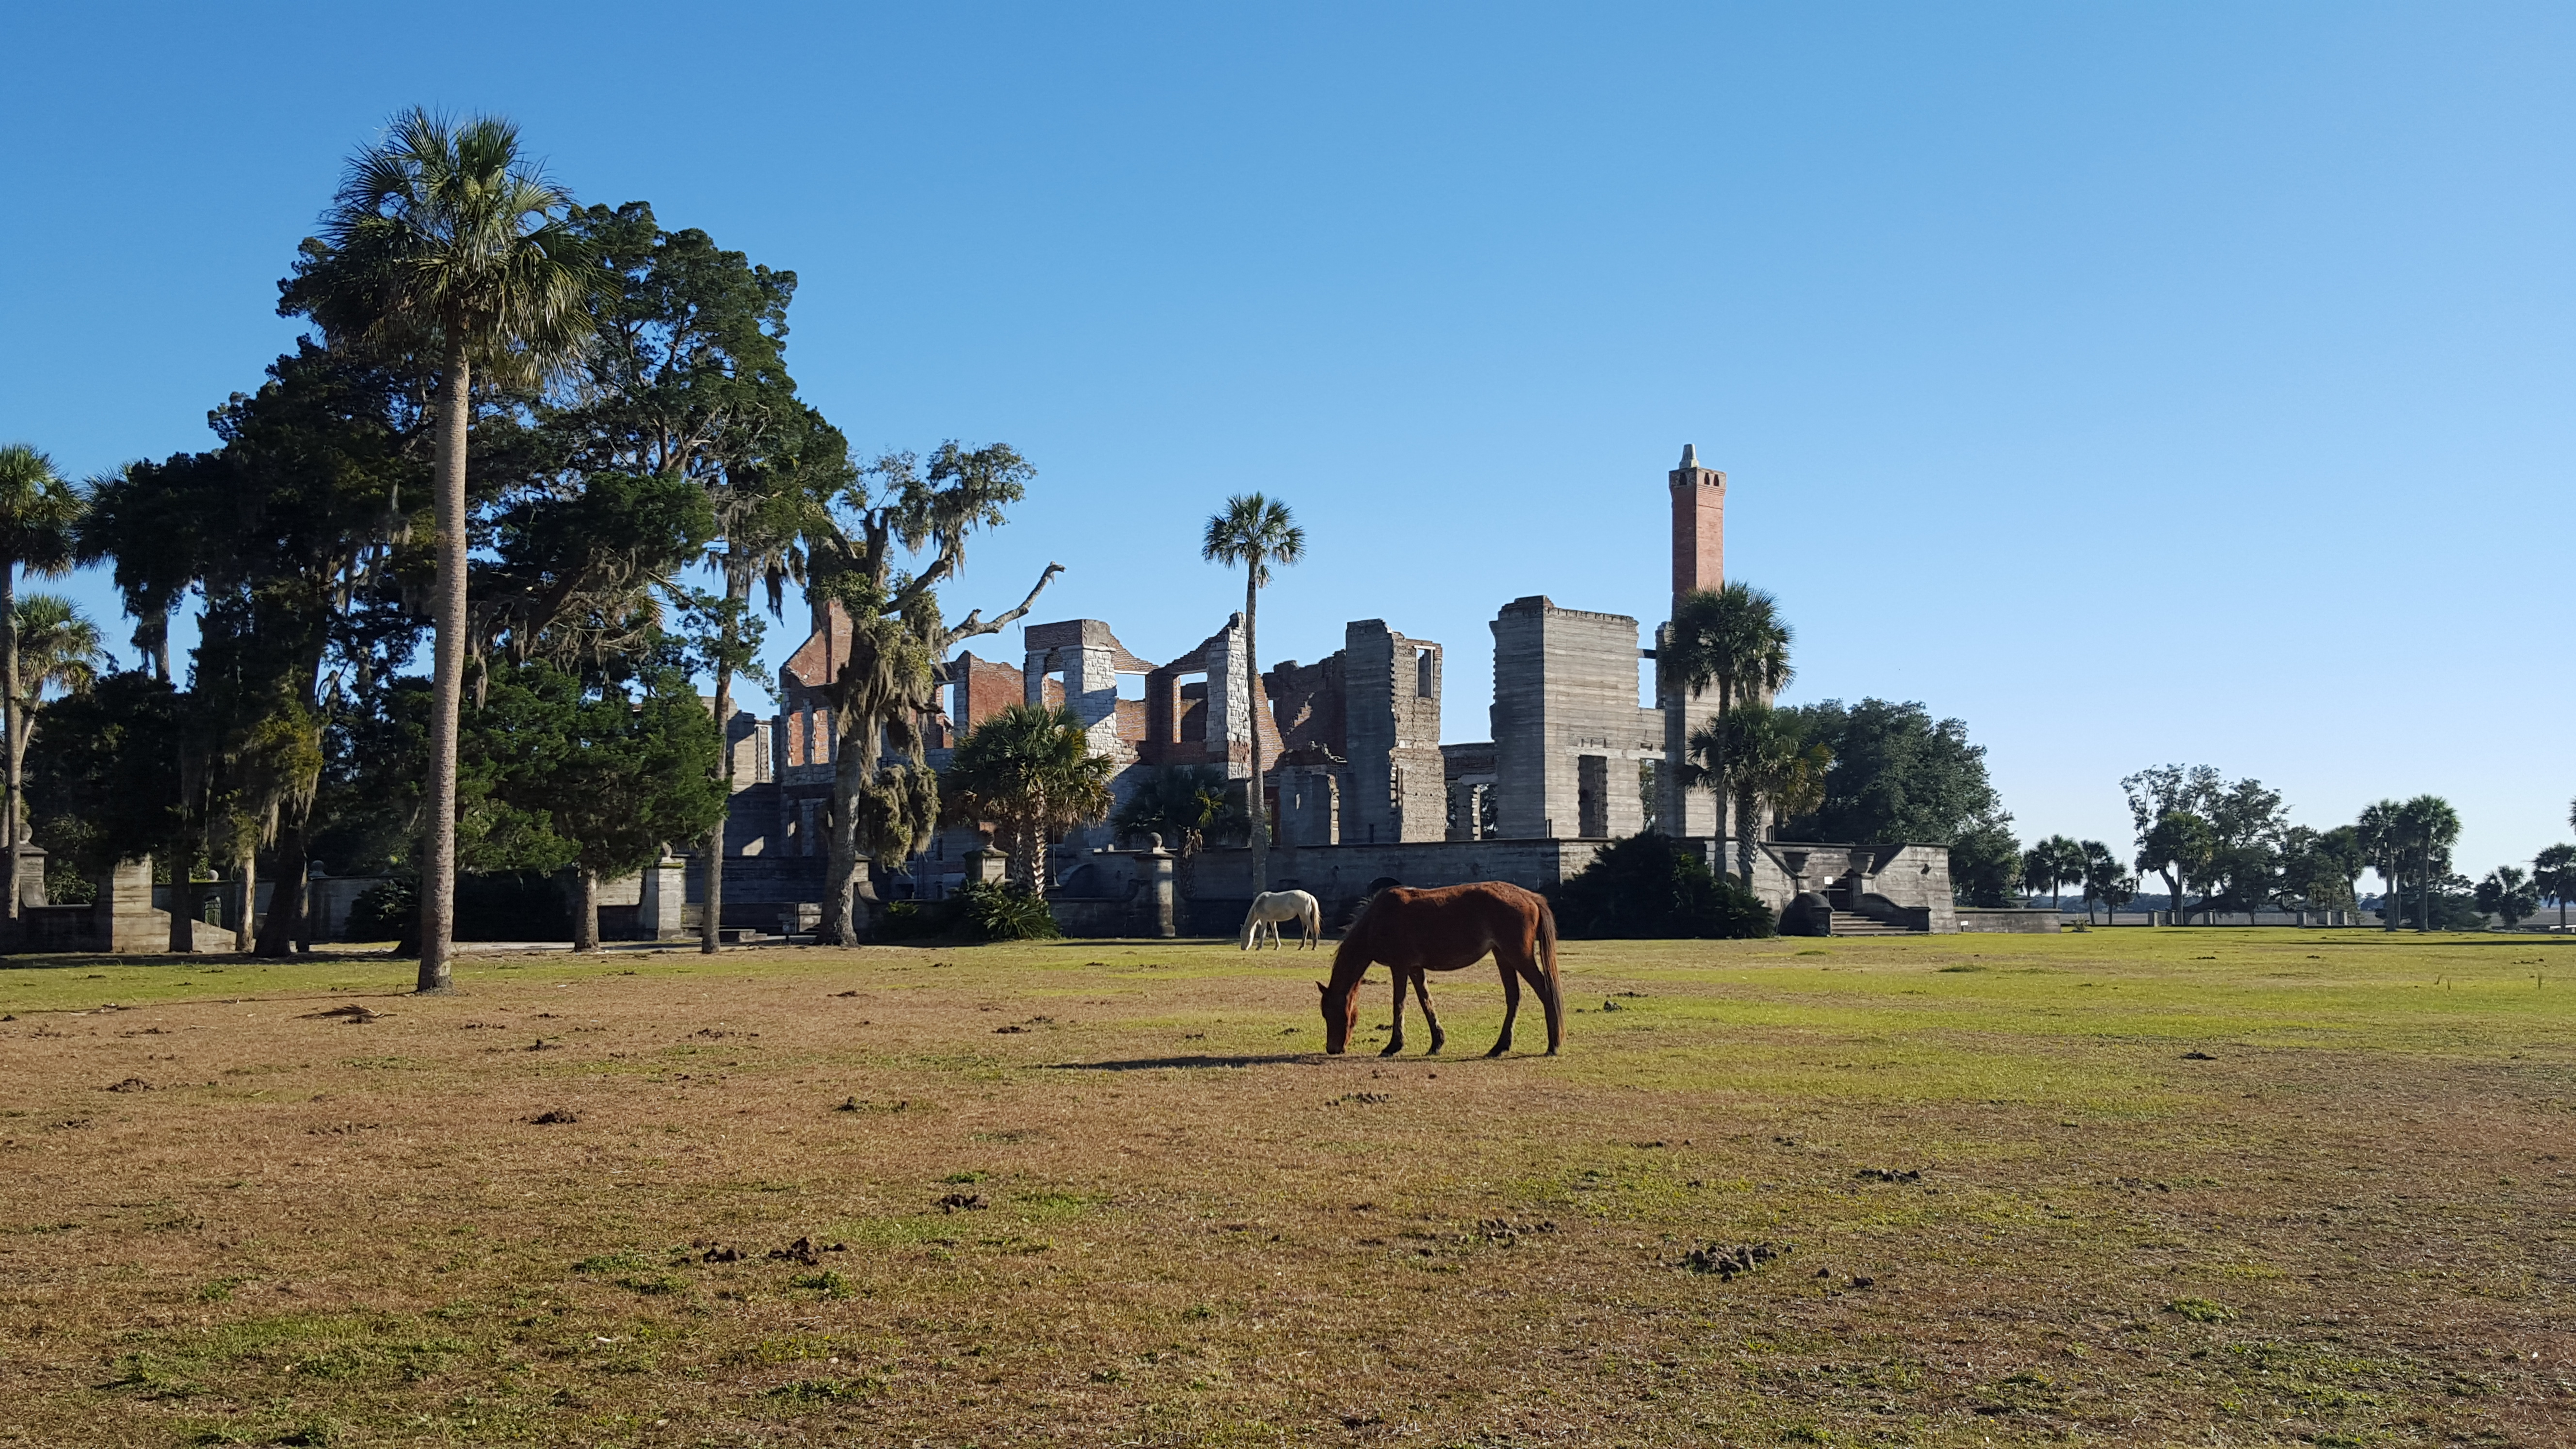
(1569, 737)
(1352, 758)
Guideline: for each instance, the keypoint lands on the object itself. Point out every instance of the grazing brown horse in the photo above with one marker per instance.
(1414, 931)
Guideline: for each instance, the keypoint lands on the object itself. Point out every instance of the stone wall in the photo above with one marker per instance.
(1392, 706)
(1565, 691)
(1337, 876)
(2011, 922)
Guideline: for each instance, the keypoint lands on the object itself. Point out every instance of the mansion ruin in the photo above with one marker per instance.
(1356, 779)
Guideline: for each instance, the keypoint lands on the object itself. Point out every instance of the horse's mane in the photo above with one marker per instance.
(1355, 935)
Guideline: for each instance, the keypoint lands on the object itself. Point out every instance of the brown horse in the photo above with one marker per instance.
(1414, 931)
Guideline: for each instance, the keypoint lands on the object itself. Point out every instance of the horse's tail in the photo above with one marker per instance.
(1547, 939)
(1313, 922)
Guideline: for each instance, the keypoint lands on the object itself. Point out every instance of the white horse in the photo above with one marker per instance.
(1271, 907)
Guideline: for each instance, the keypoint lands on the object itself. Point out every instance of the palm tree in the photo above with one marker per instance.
(1734, 638)
(1255, 532)
(57, 651)
(2428, 827)
(2380, 835)
(2103, 879)
(2553, 874)
(37, 512)
(2052, 864)
(1030, 771)
(443, 244)
(1755, 754)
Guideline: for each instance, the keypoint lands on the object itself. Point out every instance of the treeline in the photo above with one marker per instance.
(521, 432)
(2223, 846)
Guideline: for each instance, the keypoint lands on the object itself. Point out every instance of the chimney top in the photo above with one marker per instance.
(1690, 456)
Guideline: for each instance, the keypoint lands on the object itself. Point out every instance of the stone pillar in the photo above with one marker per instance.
(664, 889)
(1156, 862)
(985, 864)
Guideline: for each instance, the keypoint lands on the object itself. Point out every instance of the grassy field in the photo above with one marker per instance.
(2151, 1187)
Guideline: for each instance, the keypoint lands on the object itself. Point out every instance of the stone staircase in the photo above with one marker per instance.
(1853, 923)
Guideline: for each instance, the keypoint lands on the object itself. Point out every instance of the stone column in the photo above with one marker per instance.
(986, 864)
(1156, 862)
(663, 891)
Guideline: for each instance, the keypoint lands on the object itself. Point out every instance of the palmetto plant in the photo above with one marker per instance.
(442, 243)
(1031, 772)
(37, 512)
(1255, 532)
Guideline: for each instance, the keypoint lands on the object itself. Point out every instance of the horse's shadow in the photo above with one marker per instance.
(1147, 1064)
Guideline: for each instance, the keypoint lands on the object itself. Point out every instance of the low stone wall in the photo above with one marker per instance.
(2012, 922)
(1219, 882)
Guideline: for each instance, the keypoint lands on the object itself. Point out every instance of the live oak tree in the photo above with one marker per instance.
(292, 532)
(614, 768)
(688, 378)
(442, 244)
(1898, 774)
(879, 545)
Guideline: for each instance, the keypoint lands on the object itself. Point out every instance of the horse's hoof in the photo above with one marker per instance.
(1436, 1045)
(1392, 1048)
(1500, 1047)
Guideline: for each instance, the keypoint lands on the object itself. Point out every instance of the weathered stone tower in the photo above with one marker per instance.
(1699, 562)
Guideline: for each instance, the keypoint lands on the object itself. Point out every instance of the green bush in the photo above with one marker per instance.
(979, 912)
(1641, 888)
(389, 910)
(1005, 912)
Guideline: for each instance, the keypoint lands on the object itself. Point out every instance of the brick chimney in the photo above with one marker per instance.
(1699, 525)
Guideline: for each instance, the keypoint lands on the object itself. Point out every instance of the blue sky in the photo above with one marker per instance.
(2138, 383)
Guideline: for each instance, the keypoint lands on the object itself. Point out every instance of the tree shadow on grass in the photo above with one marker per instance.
(1147, 1064)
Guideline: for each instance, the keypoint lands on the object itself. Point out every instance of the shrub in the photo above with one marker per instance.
(389, 910)
(980, 912)
(1642, 887)
(1005, 912)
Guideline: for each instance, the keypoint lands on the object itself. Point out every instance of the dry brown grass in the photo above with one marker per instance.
(2348, 1226)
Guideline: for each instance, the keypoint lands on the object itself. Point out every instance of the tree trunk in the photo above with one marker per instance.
(10, 726)
(286, 904)
(1745, 808)
(244, 937)
(712, 919)
(438, 810)
(183, 898)
(1252, 795)
(585, 910)
(848, 893)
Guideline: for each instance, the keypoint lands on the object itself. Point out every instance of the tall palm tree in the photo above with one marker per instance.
(443, 244)
(2428, 827)
(2380, 834)
(1734, 638)
(1029, 770)
(37, 512)
(1255, 532)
